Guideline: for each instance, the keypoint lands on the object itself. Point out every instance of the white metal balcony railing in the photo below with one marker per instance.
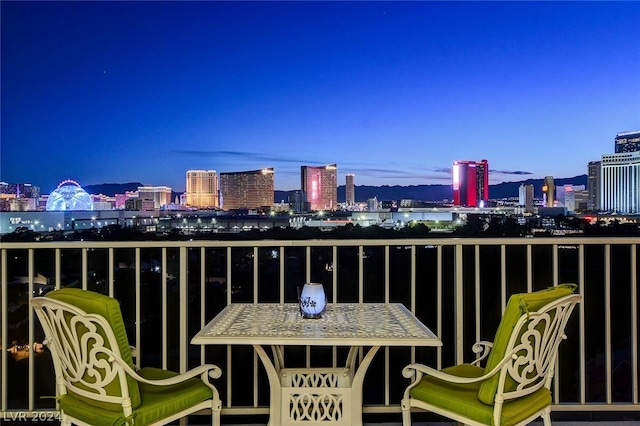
(458, 287)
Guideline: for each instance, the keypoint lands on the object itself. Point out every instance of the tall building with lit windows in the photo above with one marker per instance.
(160, 195)
(470, 183)
(593, 185)
(321, 185)
(525, 197)
(627, 142)
(350, 190)
(202, 189)
(247, 190)
(548, 191)
(619, 175)
(620, 182)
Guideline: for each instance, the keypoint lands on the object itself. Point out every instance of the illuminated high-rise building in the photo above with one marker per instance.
(627, 142)
(247, 190)
(350, 190)
(298, 202)
(525, 197)
(566, 195)
(160, 195)
(321, 185)
(470, 183)
(620, 182)
(202, 189)
(593, 185)
(548, 191)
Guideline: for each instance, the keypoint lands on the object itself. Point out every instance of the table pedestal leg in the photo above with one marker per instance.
(353, 374)
(275, 388)
(357, 384)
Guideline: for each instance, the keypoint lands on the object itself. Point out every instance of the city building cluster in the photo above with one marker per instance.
(613, 187)
(254, 189)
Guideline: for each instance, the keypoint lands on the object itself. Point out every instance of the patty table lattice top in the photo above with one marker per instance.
(349, 324)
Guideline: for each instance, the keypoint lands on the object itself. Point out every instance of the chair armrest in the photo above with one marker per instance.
(483, 348)
(204, 371)
(418, 370)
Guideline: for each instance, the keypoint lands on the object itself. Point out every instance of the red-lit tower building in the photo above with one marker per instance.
(470, 183)
(321, 185)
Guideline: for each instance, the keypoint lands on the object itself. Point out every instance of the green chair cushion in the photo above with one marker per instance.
(463, 398)
(109, 308)
(513, 312)
(158, 402)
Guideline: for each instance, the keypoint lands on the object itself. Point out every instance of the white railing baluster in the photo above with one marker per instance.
(503, 278)
(85, 268)
(138, 317)
(334, 284)
(58, 266)
(529, 269)
(387, 274)
(229, 377)
(439, 310)
(477, 316)
(459, 306)
(307, 267)
(4, 284)
(634, 323)
(203, 294)
(360, 274)
(556, 384)
(229, 351)
(413, 291)
(386, 300)
(282, 273)
(165, 319)
(607, 320)
(581, 310)
(556, 269)
(183, 296)
(110, 274)
(307, 264)
(256, 273)
(30, 313)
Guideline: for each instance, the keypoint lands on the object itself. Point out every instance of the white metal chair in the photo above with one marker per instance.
(96, 380)
(514, 386)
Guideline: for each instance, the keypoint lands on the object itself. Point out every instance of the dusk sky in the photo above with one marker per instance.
(393, 92)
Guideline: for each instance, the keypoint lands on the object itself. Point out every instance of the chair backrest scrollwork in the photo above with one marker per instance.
(530, 331)
(534, 345)
(83, 346)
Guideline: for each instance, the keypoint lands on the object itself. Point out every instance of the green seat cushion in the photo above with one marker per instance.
(158, 402)
(463, 398)
(518, 305)
(109, 308)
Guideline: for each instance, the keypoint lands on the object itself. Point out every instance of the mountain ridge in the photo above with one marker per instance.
(434, 192)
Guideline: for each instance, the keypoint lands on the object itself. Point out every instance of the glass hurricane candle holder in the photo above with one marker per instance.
(312, 300)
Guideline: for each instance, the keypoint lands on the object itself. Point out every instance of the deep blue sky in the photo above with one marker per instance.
(104, 92)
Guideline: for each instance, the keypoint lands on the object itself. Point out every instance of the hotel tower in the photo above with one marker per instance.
(350, 190)
(620, 175)
(247, 190)
(321, 185)
(202, 189)
(470, 183)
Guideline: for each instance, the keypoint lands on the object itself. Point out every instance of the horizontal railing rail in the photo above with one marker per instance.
(457, 286)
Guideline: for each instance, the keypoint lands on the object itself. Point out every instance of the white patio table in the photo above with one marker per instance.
(313, 396)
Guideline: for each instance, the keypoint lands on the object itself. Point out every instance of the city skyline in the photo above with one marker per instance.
(392, 92)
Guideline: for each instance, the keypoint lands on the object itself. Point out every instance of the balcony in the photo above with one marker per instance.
(457, 287)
